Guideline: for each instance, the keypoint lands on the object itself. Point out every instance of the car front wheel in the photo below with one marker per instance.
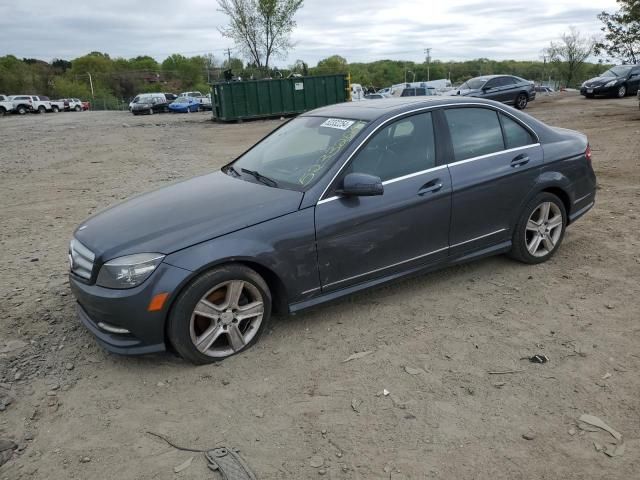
(622, 91)
(521, 101)
(540, 229)
(221, 313)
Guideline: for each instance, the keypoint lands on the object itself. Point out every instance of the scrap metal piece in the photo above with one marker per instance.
(229, 463)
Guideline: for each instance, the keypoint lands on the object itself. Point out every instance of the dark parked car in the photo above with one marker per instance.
(339, 199)
(507, 89)
(618, 81)
(416, 92)
(150, 103)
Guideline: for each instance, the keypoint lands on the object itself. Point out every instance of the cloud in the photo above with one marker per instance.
(358, 30)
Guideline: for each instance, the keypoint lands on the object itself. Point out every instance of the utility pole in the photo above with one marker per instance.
(91, 84)
(427, 52)
(229, 56)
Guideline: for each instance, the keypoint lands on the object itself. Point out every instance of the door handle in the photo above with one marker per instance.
(520, 160)
(430, 187)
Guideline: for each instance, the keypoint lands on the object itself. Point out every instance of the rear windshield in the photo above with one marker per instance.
(299, 153)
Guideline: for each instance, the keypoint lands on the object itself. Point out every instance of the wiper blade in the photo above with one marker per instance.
(261, 178)
(232, 169)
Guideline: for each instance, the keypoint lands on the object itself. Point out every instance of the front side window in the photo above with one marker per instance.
(515, 135)
(474, 132)
(404, 147)
(299, 153)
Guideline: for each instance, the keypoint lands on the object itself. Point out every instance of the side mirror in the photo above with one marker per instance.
(361, 185)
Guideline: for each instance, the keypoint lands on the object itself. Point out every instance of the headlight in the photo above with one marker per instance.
(129, 271)
(610, 84)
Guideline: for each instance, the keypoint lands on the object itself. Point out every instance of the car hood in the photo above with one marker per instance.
(600, 80)
(183, 214)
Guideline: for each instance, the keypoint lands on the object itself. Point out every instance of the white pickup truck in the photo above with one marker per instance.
(6, 105)
(30, 103)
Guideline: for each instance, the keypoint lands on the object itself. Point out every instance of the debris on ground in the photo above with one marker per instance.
(356, 356)
(413, 371)
(229, 464)
(614, 450)
(6, 450)
(183, 466)
(539, 358)
(596, 422)
(355, 404)
(316, 461)
(504, 372)
(529, 436)
(606, 375)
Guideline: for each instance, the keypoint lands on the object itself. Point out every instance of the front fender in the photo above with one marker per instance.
(285, 246)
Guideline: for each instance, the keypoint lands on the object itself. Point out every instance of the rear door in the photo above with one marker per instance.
(634, 80)
(493, 166)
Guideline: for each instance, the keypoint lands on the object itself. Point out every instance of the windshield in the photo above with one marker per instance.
(473, 84)
(297, 154)
(181, 100)
(621, 71)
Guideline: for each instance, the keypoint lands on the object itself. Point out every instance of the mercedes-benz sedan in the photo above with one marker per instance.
(337, 200)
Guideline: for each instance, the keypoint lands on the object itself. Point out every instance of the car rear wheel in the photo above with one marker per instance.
(55, 109)
(78, 108)
(21, 110)
(622, 91)
(521, 101)
(540, 229)
(221, 313)
(41, 109)
(3, 111)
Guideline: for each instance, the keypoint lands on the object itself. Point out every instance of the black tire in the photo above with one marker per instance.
(42, 109)
(21, 109)
(55, 109)
(179, 323)
(519, 250)
(3, 111)
(622, 91)
(521, 101)
(78, 108)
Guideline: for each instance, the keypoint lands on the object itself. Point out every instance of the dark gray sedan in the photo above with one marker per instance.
(507, 89)
(337, 200)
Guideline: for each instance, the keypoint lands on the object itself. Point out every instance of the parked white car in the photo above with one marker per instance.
(21, 104)
(6, 105)
(203, 100)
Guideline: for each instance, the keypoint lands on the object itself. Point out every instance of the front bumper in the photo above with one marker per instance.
(127, 309)
(599, 90)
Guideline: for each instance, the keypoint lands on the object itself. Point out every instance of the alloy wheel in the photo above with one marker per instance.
(622, 91)
(226, 318)
(544, 229)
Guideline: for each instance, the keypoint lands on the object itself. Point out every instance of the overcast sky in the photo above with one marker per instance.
(359, 30)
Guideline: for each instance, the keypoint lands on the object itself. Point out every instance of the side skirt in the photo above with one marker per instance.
(377, 282)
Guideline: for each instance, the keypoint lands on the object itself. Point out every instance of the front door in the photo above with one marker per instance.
(363, 238)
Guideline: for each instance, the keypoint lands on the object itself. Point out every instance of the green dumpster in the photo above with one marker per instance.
(277, 97)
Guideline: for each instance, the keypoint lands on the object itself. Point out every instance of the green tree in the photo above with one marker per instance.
(570, 53)
(621, 32)
(331, 65)
(261, 29)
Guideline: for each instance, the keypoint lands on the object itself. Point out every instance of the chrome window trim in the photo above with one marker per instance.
(487, 155)
(388, 266)
(392, 180)
(420, 110)
(477, 238)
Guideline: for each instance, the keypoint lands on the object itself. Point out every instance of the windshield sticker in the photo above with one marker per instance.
(338, 123)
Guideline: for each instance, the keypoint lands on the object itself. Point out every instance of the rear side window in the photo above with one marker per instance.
(515, 135)
(474, 132)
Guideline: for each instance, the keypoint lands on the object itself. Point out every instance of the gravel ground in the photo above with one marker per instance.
(291, 405)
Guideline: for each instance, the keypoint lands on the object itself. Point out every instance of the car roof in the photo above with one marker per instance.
(389, 106)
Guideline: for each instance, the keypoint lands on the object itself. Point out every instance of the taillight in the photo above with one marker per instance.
(587, 153)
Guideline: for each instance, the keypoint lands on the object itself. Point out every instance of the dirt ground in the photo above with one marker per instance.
(291, 405)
